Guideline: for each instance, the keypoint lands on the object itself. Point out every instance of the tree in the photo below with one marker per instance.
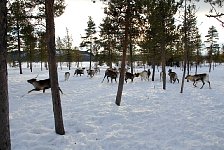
(42, 48)
(121, 18)
(23, 13)
(161, 31)
(193, 41)
(198, 54)
(68, 46)
(5, 143)
(214, 13)
(89, 37)
(59, 46)
(188, 22)
(17, 19)
(212, 38)
(108, 32)
(50, 30)
(127, 13)
(30, 43)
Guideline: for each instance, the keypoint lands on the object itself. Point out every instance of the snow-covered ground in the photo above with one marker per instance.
(149, 117)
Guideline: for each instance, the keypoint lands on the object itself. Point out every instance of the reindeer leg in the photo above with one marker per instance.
(194, 83)
(203, 84)
(60, 90)
(103, 79)
(33, 90)
(209, 84)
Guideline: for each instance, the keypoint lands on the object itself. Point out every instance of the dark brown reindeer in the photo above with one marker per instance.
(199, 77)
(41, 85)
(79, 71)
(173, 76)
(110, 73)
(129, 75)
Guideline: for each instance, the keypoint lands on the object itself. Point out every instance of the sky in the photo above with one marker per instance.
(76, 15)
(149, 117)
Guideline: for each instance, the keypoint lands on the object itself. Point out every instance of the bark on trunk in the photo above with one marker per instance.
(59, 127)
(5, 143)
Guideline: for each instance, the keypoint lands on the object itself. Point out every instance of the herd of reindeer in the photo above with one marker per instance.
(113, 73)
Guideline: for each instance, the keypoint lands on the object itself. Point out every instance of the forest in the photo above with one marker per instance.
(133, 30)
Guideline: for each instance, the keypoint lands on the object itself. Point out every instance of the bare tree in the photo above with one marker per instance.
(5, 143)
(50, 30)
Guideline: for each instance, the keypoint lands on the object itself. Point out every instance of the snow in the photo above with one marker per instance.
(149, 117)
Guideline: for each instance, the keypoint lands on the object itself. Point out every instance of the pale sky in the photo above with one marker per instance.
(76, 14)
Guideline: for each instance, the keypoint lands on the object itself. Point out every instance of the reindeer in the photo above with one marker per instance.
(41, 85)
(173, 76)
(110, 73)
(97, 69)
(129, 75)
(199, 77)
(79, 71)
(90, 72)
(144, 75)
(67, 75)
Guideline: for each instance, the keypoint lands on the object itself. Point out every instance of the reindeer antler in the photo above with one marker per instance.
(36, 76)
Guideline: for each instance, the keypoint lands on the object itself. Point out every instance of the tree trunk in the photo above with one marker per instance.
(153, 70)
(125, 44)
(5, 143)
(163, 53)
(19, 43)
(131, 56)
(185, 48)
(50, 30)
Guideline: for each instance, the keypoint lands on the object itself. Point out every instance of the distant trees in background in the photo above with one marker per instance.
(26, 28)
(26, 36)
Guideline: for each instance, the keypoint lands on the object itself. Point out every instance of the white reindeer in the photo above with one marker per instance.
(199, 77)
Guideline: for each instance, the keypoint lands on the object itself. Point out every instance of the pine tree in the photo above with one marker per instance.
(42, 48)
(161, 31)
(68, 47)
(30, 42)
(88, 39)
(17, 19)
(59, 47)
(212, 38)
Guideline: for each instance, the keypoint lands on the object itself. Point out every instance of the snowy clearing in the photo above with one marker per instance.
(149, 117)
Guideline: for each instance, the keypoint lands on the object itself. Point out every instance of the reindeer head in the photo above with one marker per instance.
(170, 70)
(136, 74)
(31, 80)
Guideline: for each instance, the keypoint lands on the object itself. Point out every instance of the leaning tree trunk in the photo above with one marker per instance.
(5, 143)
(125, 44)
(50, 29)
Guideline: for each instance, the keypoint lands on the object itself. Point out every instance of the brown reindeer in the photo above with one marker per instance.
(41, 85)
(110, 73)
(173, 76)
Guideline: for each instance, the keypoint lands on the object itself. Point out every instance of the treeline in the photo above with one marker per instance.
(154, 34)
